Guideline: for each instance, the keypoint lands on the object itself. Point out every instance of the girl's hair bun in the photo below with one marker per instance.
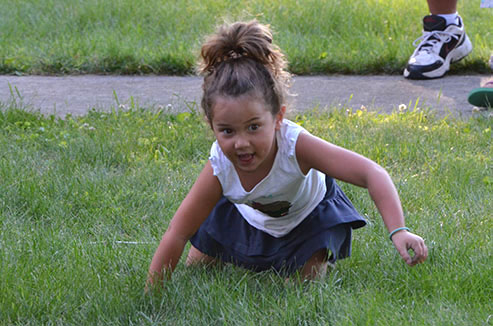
(240, 58)
(242, 40)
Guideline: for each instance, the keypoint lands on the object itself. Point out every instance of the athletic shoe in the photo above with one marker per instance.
(440, 45)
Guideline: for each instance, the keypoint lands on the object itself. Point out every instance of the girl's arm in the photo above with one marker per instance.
(194, 209)
(342, 164)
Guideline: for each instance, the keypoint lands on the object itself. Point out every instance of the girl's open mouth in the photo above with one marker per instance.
(245, 158)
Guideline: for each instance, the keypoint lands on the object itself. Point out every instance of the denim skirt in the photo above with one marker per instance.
(226, 235)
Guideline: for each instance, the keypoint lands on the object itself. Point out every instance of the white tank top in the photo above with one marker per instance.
(280, 201)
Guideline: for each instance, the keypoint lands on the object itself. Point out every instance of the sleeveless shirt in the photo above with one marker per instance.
(284, 198)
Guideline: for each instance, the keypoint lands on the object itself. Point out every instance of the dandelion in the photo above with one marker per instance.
(169, 106)
(475, 109)
(363, 108)
(402, 107)
(160, 107)
(122, 107)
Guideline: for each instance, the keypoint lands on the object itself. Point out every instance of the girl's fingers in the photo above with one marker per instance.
(425, 252)
(407, 258)
(416, 244)
(404, 254)
(420, 251)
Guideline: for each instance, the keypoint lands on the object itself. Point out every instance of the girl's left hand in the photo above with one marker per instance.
(404, 240)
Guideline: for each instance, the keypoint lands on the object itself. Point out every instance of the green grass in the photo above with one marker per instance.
(163, 37)
(71, 190)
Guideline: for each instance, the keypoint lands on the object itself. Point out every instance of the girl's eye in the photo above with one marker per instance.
(253, 127)
(227, 131)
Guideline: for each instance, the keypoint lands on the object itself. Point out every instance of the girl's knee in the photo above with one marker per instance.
(316, 266)
(196, 257)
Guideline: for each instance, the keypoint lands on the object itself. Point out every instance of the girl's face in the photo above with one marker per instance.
(245, 130)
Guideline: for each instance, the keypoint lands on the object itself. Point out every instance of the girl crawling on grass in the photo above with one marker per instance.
(266, 198)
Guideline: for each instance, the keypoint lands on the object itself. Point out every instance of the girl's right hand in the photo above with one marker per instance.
(152, 281)
(404, 240)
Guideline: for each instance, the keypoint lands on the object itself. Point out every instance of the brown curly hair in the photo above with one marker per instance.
(240, 59)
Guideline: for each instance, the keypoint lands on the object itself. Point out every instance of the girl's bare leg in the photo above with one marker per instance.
(196, 257)
(316, 266)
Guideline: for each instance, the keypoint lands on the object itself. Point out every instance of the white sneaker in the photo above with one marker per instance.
(440, 45)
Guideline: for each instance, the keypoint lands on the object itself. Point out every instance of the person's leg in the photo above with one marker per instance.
(442, 7)
(316, 266)
(196, 257)
(443, 42)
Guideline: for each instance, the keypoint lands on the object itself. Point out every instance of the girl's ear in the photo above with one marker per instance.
(280, 116)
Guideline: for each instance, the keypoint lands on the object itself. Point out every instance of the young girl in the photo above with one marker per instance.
(266, 199)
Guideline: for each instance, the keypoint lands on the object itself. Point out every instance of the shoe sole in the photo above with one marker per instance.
(481, 97)
(455, 55)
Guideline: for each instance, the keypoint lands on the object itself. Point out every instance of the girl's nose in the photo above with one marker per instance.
(241, 142)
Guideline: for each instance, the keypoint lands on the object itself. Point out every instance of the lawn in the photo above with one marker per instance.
(163, 37)
(84, 202)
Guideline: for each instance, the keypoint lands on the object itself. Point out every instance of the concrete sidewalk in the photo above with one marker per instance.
(78, 94)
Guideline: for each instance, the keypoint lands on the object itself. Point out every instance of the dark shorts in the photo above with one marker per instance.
(226, 235)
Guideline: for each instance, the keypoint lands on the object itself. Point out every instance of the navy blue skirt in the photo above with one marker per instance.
(226, 235)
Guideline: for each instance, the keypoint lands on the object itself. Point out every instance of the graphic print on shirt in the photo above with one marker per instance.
(274, 209)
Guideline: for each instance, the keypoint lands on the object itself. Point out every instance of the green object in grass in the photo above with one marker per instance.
(483, 96)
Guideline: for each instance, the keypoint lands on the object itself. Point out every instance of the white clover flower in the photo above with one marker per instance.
(87, 126)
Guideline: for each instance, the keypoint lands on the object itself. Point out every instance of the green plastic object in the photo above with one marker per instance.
(483, 96)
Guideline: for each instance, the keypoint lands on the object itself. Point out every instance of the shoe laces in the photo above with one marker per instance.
(429, 39)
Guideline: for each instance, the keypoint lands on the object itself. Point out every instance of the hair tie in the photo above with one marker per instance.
(397, 230)
(233, 55)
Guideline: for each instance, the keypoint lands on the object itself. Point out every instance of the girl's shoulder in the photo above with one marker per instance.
(288, 136)
(217, 158)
